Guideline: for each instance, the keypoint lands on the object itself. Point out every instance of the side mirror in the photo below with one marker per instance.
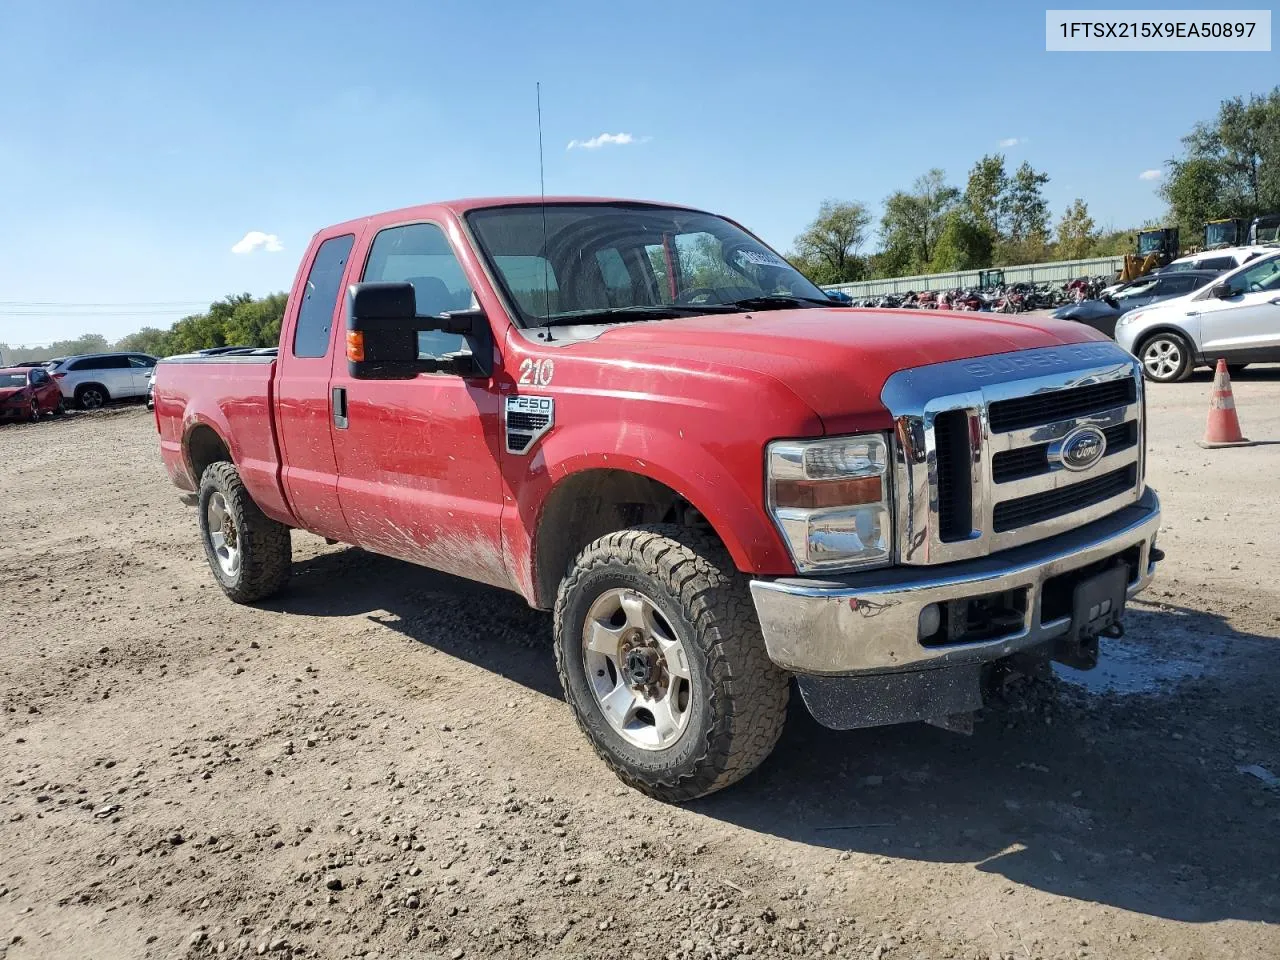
(1223, 291)
(382, 335)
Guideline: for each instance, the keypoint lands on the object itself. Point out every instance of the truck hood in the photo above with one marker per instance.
(838, 360)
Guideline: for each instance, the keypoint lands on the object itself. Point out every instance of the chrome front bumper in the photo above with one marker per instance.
(868, 623)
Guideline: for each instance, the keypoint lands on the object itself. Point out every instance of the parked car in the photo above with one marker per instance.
(1237, 318)
(94, 379)
(839, 296)
(1101, 314)
(718, 479)
(26, 393)
(1219, 261)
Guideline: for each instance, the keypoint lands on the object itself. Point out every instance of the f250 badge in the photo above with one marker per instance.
(528, 419)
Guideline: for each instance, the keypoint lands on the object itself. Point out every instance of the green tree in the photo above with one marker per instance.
(1028, 211)
(963, 244)
(986, 194)
(1076, 232)
(827, 250)
(1230, 167)
(913, 222)
(256, 323)
(147, 340)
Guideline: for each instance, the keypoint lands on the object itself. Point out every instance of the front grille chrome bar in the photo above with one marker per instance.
(916, 398)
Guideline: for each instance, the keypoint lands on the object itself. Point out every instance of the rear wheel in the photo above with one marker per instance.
(1165, 357)
(249, 553)
(91, 396)
(663, 664)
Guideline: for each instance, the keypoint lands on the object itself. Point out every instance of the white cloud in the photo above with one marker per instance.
(1010, 142)
(1150, 175)
(254, 239)
(605, 139)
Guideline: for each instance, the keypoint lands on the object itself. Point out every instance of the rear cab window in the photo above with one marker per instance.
(312, 333)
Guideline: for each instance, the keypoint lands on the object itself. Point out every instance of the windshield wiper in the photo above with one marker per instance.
(641, 311)
(779, 301)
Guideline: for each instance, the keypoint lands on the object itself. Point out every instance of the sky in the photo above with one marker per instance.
(155, 156)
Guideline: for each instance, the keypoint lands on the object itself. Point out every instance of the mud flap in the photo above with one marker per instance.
(940, 696)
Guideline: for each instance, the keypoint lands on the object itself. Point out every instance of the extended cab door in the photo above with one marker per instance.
(312, 323)
(1246, 324)
(418, 460)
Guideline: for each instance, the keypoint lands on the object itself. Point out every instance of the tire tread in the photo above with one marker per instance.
(267, 551)
(698, 572)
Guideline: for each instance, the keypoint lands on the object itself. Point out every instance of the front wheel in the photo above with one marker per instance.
(663, 664)
(249, 553)
(34, 413)
(1165, 357)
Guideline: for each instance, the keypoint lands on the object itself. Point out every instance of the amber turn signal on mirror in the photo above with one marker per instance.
(355, 346)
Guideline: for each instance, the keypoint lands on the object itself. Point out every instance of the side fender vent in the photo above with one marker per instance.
(527, 420)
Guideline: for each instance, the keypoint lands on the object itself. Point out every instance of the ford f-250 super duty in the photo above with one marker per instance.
(643, 418)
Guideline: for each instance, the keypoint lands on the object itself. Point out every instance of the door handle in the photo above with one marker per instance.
(339, 398)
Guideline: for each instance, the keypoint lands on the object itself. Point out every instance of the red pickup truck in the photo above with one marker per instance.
(642, 417)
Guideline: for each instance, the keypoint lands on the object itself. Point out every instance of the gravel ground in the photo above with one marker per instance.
(378, 763)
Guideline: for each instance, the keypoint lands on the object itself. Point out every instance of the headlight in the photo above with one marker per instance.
(831, 500)
(1129, 317)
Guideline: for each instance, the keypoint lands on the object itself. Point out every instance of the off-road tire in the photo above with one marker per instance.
(267, 553)
(1184, 366)
(739, 696)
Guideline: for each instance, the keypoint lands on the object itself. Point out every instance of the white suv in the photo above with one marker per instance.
(1227, 258)
(1236, 317)
(94, 379)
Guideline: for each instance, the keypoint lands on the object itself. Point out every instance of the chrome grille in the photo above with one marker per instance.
(978, 466)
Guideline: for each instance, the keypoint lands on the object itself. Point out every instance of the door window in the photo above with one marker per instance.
(1260, 278)
(315, 316)
(39, 377)
(419, 253)
(142, 363)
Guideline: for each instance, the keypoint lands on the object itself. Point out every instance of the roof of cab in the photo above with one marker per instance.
(467, 204)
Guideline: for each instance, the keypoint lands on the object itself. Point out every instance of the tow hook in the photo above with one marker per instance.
(1115, 631)
(1156, 554)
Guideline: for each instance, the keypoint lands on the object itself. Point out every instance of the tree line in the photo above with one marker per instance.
(1229, 167)
(240, 320)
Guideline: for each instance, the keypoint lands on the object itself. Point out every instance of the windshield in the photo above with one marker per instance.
(12, 380)
(1267, 230)
(1220, 234)
(629, 261)
(1150, 242)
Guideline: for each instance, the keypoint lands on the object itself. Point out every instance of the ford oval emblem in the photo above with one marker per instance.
(1082, 448)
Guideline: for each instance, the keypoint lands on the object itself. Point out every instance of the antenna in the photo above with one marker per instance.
(542, 186)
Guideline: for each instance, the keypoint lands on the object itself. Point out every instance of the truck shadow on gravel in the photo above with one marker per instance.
(1132, 801)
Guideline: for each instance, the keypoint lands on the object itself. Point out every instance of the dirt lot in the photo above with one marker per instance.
(378, 763)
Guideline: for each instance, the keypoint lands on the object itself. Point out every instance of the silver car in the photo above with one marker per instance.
(94, 379)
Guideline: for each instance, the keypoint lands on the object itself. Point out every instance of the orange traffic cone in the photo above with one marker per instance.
(1223, 428)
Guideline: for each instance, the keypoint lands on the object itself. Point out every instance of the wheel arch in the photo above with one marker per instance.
(590, 503)
(79, 388)
(202, 445)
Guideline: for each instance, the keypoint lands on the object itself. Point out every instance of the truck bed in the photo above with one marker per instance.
(234, 396)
